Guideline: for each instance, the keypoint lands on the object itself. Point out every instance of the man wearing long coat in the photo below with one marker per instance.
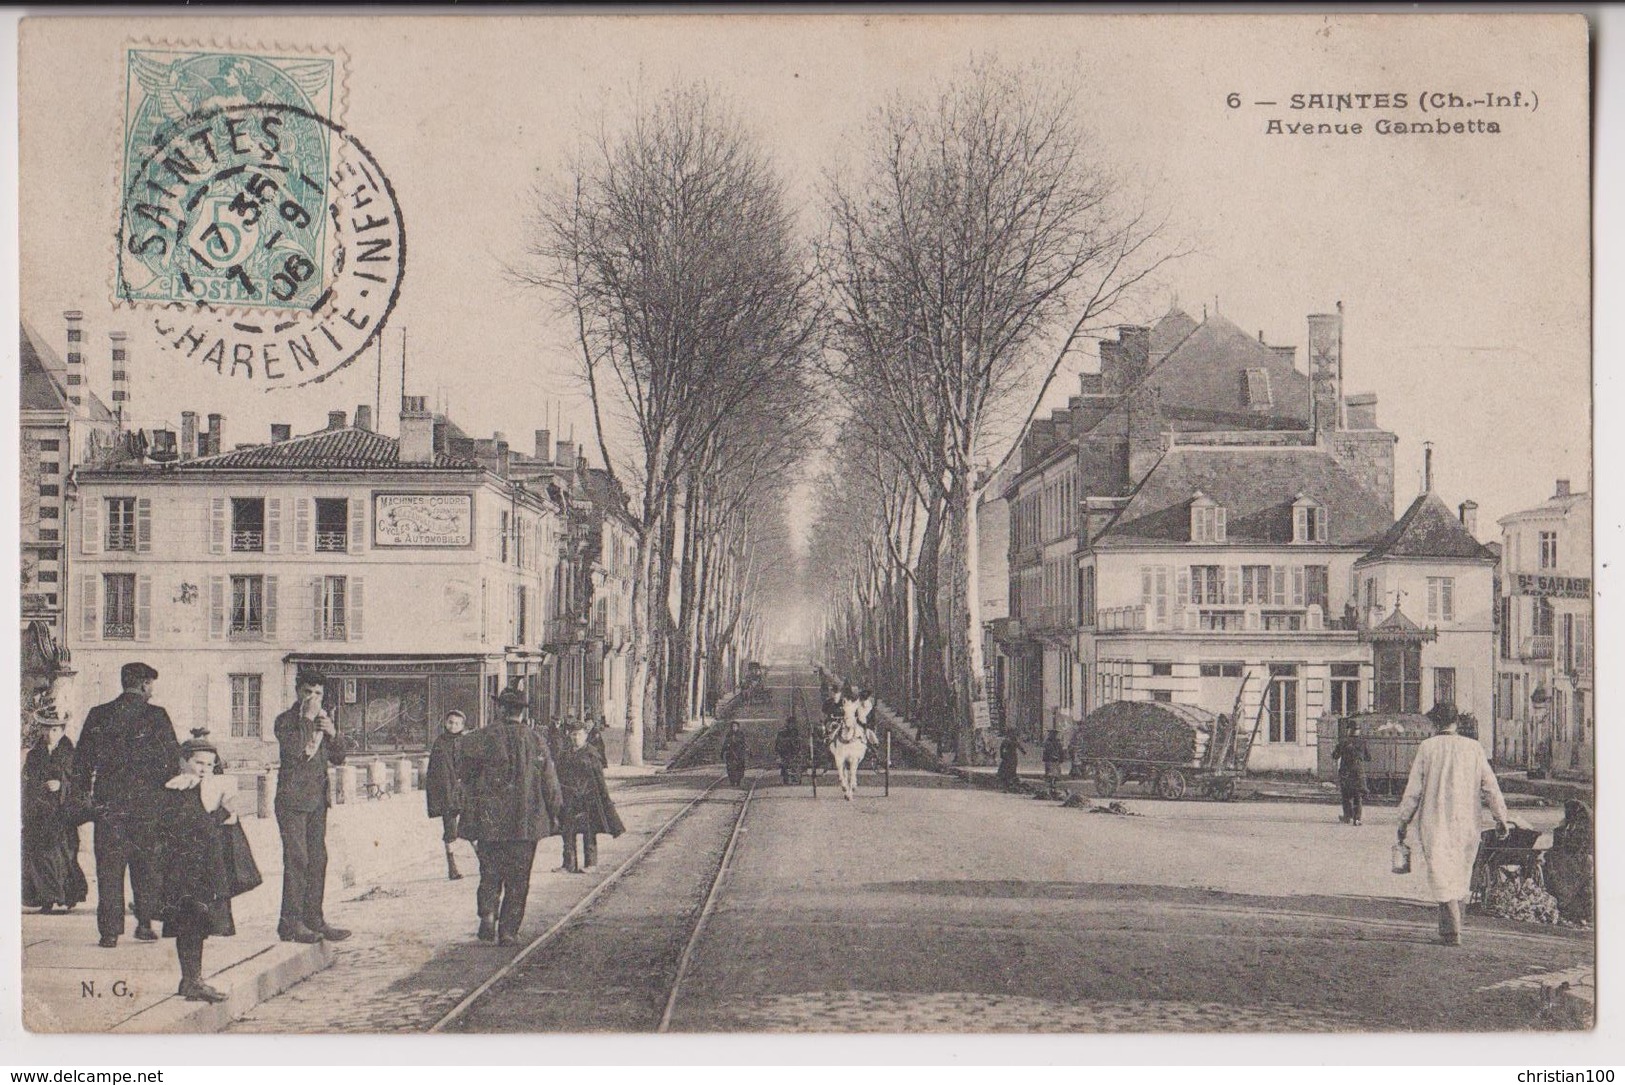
(51, 873)
(127, 751)
(511, 801)
(1448, 778)
(588, 809)
(1351, 754)
(309, 742)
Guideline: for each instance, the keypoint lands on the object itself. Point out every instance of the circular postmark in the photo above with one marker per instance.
(268, 240)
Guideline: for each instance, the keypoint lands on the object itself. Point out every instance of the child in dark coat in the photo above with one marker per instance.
(588, 809)
(443, 786)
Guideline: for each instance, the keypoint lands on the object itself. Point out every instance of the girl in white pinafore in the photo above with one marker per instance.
(1447, 780)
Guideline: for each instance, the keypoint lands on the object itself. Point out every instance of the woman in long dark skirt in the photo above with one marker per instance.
(51, 872)
(196, 900)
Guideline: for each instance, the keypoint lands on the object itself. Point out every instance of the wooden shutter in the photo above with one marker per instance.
(143, 608)
(1184, 587)
(317, 592)
(90, 525)
(353, 603)
(273, 525)
(1219, 524)
(358, 524)
(217, 608)
(301, 525)
(1232, 585)
(217, 525)
(1300, 524)
(1145, 586)
(143, 525)
(1278, 592)
(89, 596)
(269, 623)
(1297, 585)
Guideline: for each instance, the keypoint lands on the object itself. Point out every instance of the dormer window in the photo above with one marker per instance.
(1308, 521)
(1207, 519)
(1255, 389)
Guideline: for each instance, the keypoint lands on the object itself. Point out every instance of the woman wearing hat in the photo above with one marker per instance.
(195, 901)
(51, 872)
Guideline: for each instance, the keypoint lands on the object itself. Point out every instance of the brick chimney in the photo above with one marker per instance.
(1326, 370)
(1562, 488)
(1469, 517)
(1360, 411)
(121, 376)
(1427, 467)
(217, 424)
(188, 435)
(566, 456)
(280, 431)
(1125, 360)
(417, 431)
(1145, 436)
(75, 376)
(363, 417)
(335, 420)
(544, 446)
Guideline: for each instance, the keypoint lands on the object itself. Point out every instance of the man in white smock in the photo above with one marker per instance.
(1448, 777)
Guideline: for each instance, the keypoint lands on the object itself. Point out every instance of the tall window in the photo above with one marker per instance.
(118, 606)
(519, 614)
(1345, 689)
(1255, 584)
(248, 523)
(1441, 598)
(1543, 616)
(1086, 596)
(1399, 677)
(1317, 587)
(245, 706)
(1207, 585)
(1281, 702)
(1308, 523)
(332, 525)
(507, 528)
(1207, 521)
(121, 523)
(1548, 549)
(335, 606)
(1506, 627)
(247, 606)
(1444, 685)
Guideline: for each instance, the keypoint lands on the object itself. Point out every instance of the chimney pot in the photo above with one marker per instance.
(1469, 517)
(363, 417)
(280, 431)
(335, 419)
(1427, 467)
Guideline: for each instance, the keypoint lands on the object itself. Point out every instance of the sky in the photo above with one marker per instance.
(1461, 260)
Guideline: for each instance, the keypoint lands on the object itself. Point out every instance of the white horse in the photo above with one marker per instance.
(849, 742)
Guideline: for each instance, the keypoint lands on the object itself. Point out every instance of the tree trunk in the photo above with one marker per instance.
(965, 641)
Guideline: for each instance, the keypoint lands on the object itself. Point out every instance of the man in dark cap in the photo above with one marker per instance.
(309, 743)
(512, 800)
(127, 750)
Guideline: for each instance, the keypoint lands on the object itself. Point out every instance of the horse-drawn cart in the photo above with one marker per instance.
(1175, 748)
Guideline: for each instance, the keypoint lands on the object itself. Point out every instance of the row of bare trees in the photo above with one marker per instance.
(971, 249)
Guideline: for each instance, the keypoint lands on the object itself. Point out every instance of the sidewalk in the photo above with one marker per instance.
(70, 984)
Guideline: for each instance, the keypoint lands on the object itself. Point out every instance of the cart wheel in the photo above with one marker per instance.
(1106, 778)
(1171, 784)
(1224, 789)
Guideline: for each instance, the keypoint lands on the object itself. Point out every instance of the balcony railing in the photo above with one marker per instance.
(332, 542)
(334, 631)
(118, 630)
(1118, 619)
(1536, 648)
(121, 538)
(248, 540)
(252, 629)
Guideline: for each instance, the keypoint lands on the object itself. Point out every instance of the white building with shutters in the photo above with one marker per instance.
(415, 579)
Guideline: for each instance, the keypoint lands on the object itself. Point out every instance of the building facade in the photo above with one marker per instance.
(416, 579)
(1545, 686)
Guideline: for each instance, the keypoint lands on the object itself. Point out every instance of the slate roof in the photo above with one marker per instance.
(347, 448)
(40, 390)
(1428, 530)
(1257, 487)
(1202, 380)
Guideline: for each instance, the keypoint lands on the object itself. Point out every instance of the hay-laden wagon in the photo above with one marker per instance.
(1173, 747)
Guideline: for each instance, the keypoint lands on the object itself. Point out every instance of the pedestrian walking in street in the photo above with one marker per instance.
(127, 750)
(197, 886)
(1054, 758)
(790, 747)
(1448, 779)
(443, 785)
(51, 873)
(309, 743)
(1010, 751)
(734, 753)
(1352, 754)
(588, 809)
(511, 801)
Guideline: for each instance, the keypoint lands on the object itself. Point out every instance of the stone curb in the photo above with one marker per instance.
(247, 983)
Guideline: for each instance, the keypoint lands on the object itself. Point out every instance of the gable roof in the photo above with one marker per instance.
(1427, 530)
(1203, 380)
(40, 390)
(1257, 487)
(333, 448)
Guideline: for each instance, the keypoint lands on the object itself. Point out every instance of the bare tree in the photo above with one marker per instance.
(982, 240)
(672, 251)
